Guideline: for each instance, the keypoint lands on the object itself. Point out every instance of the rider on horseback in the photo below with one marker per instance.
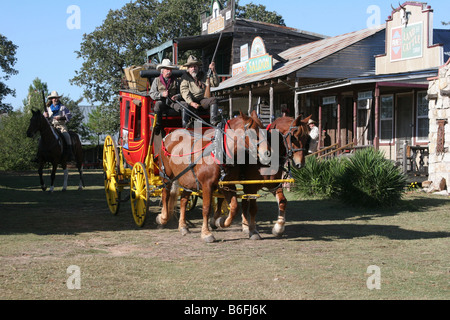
(58, 116)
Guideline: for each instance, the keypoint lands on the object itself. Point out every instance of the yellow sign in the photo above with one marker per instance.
(216, 24)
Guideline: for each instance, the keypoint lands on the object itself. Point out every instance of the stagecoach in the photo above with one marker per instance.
(131, 160)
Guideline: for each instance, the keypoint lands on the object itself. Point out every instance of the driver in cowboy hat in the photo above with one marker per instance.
(59, 115)
(193, 88)
(165, 91)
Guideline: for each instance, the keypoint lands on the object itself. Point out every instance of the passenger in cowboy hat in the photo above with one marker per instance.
(165, 91)
(314, 134)
(59, 115)
(193, 88)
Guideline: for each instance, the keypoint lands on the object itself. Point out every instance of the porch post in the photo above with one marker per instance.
(230, 99)
(175, 53)
(376, 140)
(250, 101)
(339, 120)
(320, 126)
(355, 118)
(271, 103)
(296, 104)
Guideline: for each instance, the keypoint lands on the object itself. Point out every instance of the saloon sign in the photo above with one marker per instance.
(260, 60)
(407, 42)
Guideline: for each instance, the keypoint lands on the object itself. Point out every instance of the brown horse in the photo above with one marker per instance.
(293, 145)
(51, 149)
(202, 169)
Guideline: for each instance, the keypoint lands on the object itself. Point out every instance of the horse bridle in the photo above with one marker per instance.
(289, 146)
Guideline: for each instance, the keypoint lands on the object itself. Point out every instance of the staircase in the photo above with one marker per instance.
(264, 114)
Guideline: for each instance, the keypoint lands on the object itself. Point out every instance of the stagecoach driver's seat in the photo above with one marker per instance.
(165, 91)
(59, 115)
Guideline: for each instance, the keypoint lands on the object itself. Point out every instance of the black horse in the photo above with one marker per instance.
(51, 149)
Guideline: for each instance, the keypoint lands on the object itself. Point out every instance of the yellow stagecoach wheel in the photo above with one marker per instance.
(110, 166)
(140, 194)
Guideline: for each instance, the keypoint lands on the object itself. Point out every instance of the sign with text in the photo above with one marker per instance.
(260, 64)
(407, 42)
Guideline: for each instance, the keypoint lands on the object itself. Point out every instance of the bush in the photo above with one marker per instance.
(318, 177)
(365, 179)
(369, 179)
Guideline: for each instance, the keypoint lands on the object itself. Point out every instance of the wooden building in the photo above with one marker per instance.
(367, 87)
(235, 34)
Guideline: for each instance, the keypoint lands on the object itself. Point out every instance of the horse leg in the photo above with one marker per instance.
(207, 236)
(245, 222)
(80, 171)
(253, 232)
(163, 217)
(278, 228)
(41, 178)
(231, 198)
(217, 213)
(182, 226)
(66, 177)
(53, 175)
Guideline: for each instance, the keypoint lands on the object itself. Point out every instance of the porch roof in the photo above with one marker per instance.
(417, 78)
(299, 57)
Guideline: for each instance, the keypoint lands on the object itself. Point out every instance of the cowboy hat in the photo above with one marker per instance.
(166, 64)
(311, 121)
(192, 61)
(54, 94)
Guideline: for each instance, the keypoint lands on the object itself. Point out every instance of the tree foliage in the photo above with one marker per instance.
(7, 62)
(259, 12)
(127, 33)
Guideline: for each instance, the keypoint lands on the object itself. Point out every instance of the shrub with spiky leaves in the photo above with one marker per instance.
(318, 177)
(370, 180)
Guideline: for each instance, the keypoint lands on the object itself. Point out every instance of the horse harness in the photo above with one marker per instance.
(218, 146)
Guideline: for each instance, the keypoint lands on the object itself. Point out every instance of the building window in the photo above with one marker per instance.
(387, 118)
(422, 117)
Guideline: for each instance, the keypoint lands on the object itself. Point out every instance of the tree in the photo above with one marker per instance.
(7, 62)
(259, 13)
(127, 33)
(17, 149)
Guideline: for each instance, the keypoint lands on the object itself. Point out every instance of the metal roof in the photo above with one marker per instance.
(301, 56)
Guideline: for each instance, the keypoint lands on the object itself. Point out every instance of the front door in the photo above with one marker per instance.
(404, 123)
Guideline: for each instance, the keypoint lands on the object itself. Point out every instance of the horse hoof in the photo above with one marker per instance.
(158, 220)
(184, 231)
(44, 188)
(209, 239)
(220, 223)
(255, 236)
(245, 229)
(278, 230)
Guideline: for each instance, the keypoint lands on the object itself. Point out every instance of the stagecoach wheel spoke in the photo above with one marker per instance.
(110, 158)
(140, 194)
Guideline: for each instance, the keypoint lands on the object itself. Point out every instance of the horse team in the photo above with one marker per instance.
(285, 140)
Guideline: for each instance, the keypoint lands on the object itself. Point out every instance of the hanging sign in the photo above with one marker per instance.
(260, 64)
(260, 61)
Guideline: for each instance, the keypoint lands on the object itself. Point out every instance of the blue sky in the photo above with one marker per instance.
(47, 45)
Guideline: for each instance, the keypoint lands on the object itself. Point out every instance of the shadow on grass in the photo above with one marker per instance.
(24, 209)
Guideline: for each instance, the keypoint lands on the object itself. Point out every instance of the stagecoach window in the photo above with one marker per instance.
(387, 118)
(137, 127)
(422, 117)
(127, 114)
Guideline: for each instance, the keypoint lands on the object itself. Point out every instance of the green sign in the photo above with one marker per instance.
(260, 64)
